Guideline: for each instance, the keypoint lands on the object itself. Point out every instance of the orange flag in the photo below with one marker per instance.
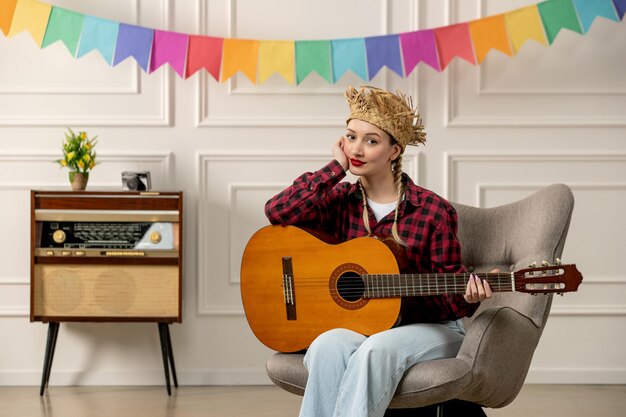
(240, 55)
(7, 7)
(489, 33)
(524, 24)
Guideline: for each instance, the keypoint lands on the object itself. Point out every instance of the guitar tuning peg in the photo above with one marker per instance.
(545, 263)
(558, 261)
(533, 265)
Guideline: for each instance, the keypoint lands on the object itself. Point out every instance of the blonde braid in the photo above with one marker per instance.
(397, 180)
(366, 217)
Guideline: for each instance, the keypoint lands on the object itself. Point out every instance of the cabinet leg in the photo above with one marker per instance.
(165, 354)
(170, 352)
(53, 331)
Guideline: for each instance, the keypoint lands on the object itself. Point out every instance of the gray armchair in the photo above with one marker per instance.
(502, 335)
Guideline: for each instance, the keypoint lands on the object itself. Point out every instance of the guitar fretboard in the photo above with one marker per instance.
(409, 285)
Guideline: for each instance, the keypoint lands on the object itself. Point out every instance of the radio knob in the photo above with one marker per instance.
(58, 236)
(155, 237)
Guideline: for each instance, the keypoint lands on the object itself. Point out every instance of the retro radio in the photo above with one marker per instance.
(106, 256)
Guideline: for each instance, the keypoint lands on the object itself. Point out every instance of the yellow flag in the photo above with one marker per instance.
(489, 33)
(277, 56)
(524, 24)
(240, 55)
(31, 15)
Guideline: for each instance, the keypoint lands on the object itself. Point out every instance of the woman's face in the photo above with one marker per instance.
(369, 149)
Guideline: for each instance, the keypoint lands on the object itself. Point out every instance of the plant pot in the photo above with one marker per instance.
(79, 180)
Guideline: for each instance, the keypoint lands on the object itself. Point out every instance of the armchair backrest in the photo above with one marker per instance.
(514, 236)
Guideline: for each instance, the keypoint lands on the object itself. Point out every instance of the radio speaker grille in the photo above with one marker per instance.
(116, 291)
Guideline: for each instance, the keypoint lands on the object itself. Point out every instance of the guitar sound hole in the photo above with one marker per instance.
(350, 286)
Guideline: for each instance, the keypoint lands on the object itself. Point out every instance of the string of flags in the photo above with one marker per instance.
(294, 60)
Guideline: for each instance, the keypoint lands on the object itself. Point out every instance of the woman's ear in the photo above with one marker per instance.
(397, 151)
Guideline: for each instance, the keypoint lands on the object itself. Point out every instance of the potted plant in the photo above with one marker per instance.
(79, 156)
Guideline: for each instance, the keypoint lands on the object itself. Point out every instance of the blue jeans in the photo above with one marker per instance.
(354, 375)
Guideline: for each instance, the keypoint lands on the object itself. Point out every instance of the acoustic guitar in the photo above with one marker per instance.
(295, 286)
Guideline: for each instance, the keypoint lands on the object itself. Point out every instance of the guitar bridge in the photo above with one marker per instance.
(289, 294)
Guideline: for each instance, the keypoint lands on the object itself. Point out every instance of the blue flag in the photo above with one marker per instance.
(381, 51)
(348, 54)
(100, 34)
(135, 41)
(589, 10)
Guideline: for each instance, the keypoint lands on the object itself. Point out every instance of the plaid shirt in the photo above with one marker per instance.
(426, 223)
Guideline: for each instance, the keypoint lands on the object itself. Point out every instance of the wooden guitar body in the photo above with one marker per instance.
(319, 273)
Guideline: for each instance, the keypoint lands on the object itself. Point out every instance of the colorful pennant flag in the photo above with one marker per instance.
(99, 34)
(7, 8)
(169, 47)
(295, 60)
(313, 56)
(204, 52)
(348, 55)
(240, 55)
(276, 56)
(557, 15)
(64, 25)
(32, 16)
(383, 51)
(419, 47)
(524, 24)
(489, 33)
(135, 41)
(454, 40)
(589, 10)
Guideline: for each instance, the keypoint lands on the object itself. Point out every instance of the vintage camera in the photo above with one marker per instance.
(136, 181)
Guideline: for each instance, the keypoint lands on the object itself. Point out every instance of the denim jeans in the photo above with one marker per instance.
(354, 375)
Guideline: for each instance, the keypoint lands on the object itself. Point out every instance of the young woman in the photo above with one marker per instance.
(350, 374)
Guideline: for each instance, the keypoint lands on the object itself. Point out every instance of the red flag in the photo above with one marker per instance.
(204, 52)
(454, 40)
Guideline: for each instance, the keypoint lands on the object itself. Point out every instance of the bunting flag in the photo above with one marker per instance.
(348, 55)
(383, 51)
(488, 34)
(32, 16)
(313, 56)
(204, 52)
(99, 34)
(64, 25)
(276, 56)
(169, 47)
(134, 41)
(524, 24)
(454, 40)
(295, 60)
(419, 47)
(7, 8)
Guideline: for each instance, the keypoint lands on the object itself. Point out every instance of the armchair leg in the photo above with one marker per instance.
(460, 408)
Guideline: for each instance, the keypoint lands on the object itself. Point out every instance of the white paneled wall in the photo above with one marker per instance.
(496, 133)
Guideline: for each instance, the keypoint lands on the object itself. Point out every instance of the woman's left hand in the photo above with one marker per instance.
(477, 290)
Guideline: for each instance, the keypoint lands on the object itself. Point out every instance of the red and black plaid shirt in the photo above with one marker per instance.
(426, 223)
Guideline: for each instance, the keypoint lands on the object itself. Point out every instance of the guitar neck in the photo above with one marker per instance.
(410, 285)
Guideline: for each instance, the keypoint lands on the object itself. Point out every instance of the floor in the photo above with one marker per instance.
(261, 401)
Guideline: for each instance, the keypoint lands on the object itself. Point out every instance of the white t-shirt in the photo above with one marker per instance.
(381, 210)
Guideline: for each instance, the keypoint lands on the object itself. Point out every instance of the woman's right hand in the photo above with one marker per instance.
(339, 154)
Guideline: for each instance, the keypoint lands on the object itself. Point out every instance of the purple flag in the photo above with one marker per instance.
(419, 46)
(620, 7)
(169, 47)
(135, 41)
(381, 51)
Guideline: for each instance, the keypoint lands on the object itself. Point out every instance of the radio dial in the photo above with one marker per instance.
(155, 237)
(58, 236)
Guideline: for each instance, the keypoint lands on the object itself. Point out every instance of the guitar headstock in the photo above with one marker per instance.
(548, 279)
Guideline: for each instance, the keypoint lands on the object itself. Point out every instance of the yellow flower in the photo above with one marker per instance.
(70, 156)
(87, 146)
(86, 158)
(80, 164)
(83, 135)
(63, 162)
(92, 164)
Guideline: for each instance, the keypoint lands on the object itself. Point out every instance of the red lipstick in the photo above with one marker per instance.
(356, 162)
